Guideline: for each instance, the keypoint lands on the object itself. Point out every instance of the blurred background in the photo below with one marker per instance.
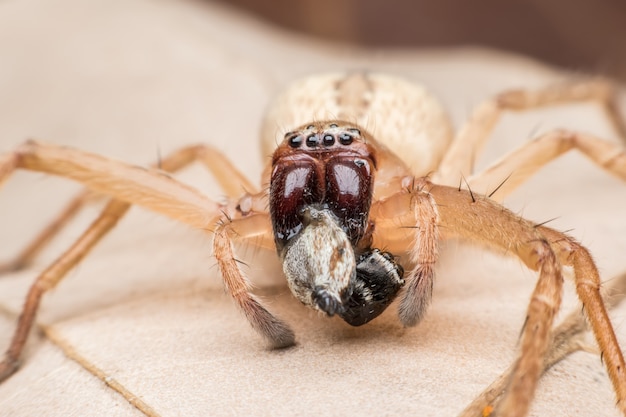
(580, 35)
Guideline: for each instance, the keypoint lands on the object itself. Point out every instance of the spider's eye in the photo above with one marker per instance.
(329, 140)
(312, 140)
(295, 141)
(333, 125)
(355, 131)
(345, 139)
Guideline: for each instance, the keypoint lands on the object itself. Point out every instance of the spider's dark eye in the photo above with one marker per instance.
(333, 125)
(345, 139)
(312, 140)
(309, 127)
(329, 140)
(295, 141)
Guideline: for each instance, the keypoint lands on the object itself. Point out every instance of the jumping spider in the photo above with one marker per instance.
(348, 213)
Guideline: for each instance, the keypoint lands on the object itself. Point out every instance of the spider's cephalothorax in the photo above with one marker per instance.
(320, 195)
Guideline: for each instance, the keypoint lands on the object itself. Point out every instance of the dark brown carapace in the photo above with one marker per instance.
(320, 195)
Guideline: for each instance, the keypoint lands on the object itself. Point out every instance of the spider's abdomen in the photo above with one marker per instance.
(325, 165)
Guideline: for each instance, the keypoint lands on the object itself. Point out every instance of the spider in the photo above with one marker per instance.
(356, 216)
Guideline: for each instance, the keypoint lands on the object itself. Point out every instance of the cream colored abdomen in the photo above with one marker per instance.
(399, 114)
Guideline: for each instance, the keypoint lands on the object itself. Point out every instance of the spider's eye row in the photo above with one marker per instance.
(295, 141)
(327, 139)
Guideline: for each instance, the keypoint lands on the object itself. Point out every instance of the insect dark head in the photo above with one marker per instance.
(378, 280)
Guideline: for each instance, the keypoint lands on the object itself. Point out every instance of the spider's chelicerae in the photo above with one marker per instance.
(356, 217)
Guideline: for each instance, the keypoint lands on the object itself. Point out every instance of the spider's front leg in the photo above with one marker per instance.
(479, 219)
(568, 337)
(230, 179)
(458, 213)
(151, 189)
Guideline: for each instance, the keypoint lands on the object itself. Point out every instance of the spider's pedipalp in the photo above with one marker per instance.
(417, 296)
(275, 331)
(424, 254)
(408, 221)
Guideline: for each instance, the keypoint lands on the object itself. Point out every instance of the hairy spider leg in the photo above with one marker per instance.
(516, 167)
(464, 214)
(566, 338)
(151, 189)
(410, 216)
(470, 139)
(230, 179)
(275, 331)
(477, 218)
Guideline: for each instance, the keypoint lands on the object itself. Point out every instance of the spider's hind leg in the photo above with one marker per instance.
(516, 167)
(472, 136)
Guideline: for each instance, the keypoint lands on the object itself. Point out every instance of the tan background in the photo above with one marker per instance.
(131, 79)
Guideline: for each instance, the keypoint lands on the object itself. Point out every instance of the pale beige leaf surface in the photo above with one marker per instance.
(135, 79)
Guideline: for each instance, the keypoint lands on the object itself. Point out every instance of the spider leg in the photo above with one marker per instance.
(152, 189)
(472, 136)
(25, 257)
(155, 191)
(230, 179)
(418, 224)
(276, 332)
(519, 165)
(477, 218)
(52, 275)
(565, 339)
(588, 288)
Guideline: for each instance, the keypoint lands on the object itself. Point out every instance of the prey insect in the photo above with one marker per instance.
(353, 215)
